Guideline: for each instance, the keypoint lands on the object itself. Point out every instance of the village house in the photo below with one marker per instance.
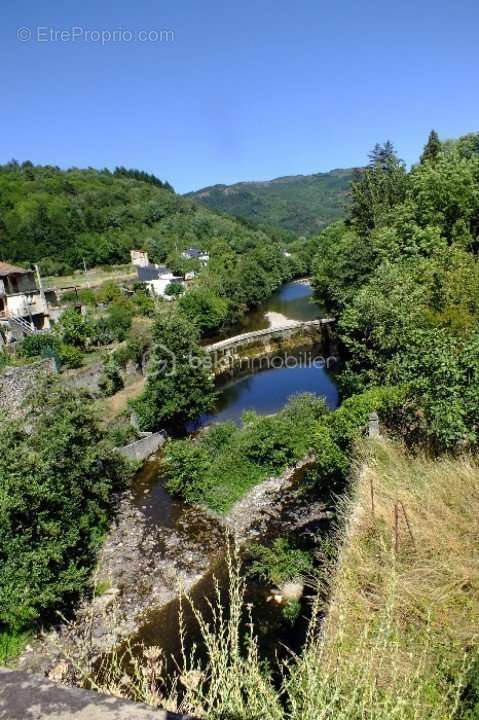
(193, 253)
(23, 307)
(139, 258)
(155, 277)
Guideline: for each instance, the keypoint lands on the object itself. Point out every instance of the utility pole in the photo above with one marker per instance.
(46, 312)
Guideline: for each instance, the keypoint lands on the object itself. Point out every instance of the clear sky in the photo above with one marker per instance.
(246, 89)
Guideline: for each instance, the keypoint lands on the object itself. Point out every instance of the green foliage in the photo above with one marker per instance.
(74, 328)
(61, 217)
(56, 482)
(173, 289)
(303, 204)
(279, 563)
(12, 643)
(179, 386)
(403, 277)
(111, 380)
(334, 435)
(40, 345)
(226, 461)
(377, 189)
(70, 356)
(432, 148)
(203, 308)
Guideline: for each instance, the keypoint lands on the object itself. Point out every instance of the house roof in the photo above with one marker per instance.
(151, 272)
(7, 269)
(194, 252)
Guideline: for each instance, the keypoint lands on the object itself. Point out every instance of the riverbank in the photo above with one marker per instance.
(141, 568)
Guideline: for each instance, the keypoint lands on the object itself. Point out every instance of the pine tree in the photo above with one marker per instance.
(432, 148)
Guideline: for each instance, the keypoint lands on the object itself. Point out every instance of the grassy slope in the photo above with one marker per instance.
(400, 620)
(301, 203)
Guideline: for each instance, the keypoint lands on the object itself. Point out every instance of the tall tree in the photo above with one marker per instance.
(377, 188)
(432, 148)
(179, 387)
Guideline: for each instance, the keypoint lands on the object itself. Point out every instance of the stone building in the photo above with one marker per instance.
(23, 307)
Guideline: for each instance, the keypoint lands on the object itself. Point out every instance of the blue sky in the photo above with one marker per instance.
(247, 90)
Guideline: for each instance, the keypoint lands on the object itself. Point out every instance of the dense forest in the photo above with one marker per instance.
(402, 275)
(303, 204)
(61, 218)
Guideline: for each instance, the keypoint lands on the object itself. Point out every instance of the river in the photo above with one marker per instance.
(187, 543)
(267, 391)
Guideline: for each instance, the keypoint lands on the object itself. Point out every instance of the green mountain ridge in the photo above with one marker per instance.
(303, 204)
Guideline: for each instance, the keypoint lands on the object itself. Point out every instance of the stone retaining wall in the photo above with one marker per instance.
(86, 378)
(16, 383)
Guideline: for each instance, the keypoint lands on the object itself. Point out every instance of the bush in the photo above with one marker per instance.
(74, 329)
(173, 289)
(203, 308)
(40, 345)
(279, 563)
(57, 474)
(111, 380)
(226, 461)
(70, 356)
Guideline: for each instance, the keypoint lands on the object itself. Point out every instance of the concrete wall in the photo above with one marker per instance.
(24, 696)
(16, 383)
(146, 446)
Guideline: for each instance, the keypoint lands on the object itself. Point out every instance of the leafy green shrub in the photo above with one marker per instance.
(70, 356)
(334, 434)
(12, 643)
(40, 345)
(179, 387)
(144, 302)
(279, 563)
(226, 461)
(173, 289)
(203, 308)
(74, 328)
(57, 475)
(111, 380)
(102, 332)
(120, 315)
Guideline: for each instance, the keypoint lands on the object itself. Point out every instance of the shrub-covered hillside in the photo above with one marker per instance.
(60, 217)
(304, 204)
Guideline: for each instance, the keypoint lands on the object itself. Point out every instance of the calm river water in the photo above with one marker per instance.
(268, 390)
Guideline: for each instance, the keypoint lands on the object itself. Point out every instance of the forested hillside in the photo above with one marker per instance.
(62, 217)
(402, 276)
(304, 204)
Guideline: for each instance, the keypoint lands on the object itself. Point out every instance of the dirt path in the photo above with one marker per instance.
(117, 403)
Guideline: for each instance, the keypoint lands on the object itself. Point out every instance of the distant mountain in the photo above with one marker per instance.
(302, 203)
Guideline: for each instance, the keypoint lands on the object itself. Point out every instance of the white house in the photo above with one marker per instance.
(157, 278)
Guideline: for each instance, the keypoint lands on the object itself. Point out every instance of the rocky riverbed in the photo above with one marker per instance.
(142, 565)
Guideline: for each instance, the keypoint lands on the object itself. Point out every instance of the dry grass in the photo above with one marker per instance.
(404, 608)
